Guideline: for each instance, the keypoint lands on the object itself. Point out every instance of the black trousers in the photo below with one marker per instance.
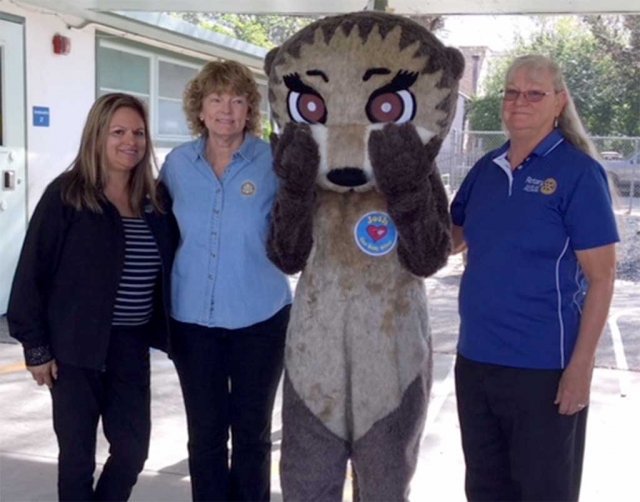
(229, 380)
(516, 444)
(120, 395)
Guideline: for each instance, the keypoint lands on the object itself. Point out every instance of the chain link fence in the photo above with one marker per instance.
(620, 157)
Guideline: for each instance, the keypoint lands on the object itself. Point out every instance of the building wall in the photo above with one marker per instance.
(64, 84)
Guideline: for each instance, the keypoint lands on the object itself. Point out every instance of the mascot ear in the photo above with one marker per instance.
(268, 60)
(456, 62)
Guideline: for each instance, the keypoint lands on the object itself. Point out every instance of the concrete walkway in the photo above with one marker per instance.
(28, 449)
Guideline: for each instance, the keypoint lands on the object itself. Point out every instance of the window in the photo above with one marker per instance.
(156, 79)
(172, 78)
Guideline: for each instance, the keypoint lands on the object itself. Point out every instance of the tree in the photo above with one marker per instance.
(269, 31)
(619, 38)
(592, 81)
(263, 30)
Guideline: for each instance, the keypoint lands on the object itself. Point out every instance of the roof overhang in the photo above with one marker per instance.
(337, 6)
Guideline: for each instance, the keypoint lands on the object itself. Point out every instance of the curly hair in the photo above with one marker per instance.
(221, 77)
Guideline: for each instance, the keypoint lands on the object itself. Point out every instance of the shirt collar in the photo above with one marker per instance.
(546, 146)
(246, 150)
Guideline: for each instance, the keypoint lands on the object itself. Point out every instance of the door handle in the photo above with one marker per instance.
(8, 180)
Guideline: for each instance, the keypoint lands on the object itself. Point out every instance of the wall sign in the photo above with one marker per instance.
(41, 116)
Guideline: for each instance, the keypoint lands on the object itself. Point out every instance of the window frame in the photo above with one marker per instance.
(155, 56)
(154, 87)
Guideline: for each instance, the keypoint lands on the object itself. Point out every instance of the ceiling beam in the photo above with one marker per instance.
(337, 6)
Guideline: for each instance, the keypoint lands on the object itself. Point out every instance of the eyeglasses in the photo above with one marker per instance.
(529, 96)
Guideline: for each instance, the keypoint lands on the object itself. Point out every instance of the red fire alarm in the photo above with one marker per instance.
(61, 44)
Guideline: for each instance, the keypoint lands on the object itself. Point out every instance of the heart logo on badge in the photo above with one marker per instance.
(377, 232)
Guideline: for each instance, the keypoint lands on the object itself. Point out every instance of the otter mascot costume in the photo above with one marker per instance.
(362, 102)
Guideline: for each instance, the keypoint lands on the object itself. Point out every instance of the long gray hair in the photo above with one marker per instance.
(569, 122)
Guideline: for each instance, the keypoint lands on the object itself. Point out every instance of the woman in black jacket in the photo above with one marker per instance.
(91, 295)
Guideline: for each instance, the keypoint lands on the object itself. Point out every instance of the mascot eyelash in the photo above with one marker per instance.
(393, 102)
(305, 104)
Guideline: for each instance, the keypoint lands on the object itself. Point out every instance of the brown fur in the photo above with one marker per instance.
(416, 200)
(295, 160)
(359, 334)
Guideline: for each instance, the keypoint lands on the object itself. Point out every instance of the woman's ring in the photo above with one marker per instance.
(582, 406)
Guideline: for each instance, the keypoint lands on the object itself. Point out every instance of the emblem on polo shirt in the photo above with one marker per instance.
(375, 234)
(549, 186)
(546, 187)
(248, 188)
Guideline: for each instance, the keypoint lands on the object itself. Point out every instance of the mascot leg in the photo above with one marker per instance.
(314, 460)
(385, 458)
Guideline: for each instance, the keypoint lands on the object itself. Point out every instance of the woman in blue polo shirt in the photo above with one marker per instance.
(537, 220)
(230, 304)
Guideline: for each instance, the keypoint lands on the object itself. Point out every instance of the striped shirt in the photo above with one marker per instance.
(134, 299)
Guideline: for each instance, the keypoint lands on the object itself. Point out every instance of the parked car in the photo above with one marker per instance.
(623, 172)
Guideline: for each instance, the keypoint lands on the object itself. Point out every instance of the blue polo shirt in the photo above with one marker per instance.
(522, 290)
(221, 275)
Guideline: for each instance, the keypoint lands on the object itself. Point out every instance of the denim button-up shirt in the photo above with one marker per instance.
(221, 275)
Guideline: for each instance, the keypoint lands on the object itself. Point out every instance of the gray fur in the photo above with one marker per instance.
(386, 458)
(314, 460)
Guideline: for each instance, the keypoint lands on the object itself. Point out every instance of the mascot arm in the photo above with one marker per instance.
(407, 176)
(296, 161)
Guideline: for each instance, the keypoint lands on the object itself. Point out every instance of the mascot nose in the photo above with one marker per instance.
(347, 177)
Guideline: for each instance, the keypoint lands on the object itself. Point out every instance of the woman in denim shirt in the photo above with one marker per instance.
(230, 304)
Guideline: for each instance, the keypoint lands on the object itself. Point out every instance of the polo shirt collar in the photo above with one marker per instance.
(246, 150)
(548, 144)
(544, 148)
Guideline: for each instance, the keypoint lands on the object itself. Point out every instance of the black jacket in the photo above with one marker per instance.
(64, 290)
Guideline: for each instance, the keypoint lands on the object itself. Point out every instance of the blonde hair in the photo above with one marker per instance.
(569, 122)
(221, 77)
(88, 175)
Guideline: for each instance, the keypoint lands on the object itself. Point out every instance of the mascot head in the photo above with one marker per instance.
(348, 75)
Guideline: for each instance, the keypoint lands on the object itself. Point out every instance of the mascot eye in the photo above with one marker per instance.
(398, 107)
(307, 108)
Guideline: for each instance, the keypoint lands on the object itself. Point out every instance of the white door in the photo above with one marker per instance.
(13, 203)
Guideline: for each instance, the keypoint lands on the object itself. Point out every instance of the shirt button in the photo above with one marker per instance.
(213, 255)
(210, 277)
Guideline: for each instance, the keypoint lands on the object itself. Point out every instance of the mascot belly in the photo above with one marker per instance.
(362, 103)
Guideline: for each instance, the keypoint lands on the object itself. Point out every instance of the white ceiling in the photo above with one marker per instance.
(337, 6)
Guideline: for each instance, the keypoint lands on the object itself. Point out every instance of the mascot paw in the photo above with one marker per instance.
(296, 158)
(401, 163)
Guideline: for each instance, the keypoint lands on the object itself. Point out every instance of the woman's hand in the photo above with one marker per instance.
(574, 389)
(599, 267)
(44, 374)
